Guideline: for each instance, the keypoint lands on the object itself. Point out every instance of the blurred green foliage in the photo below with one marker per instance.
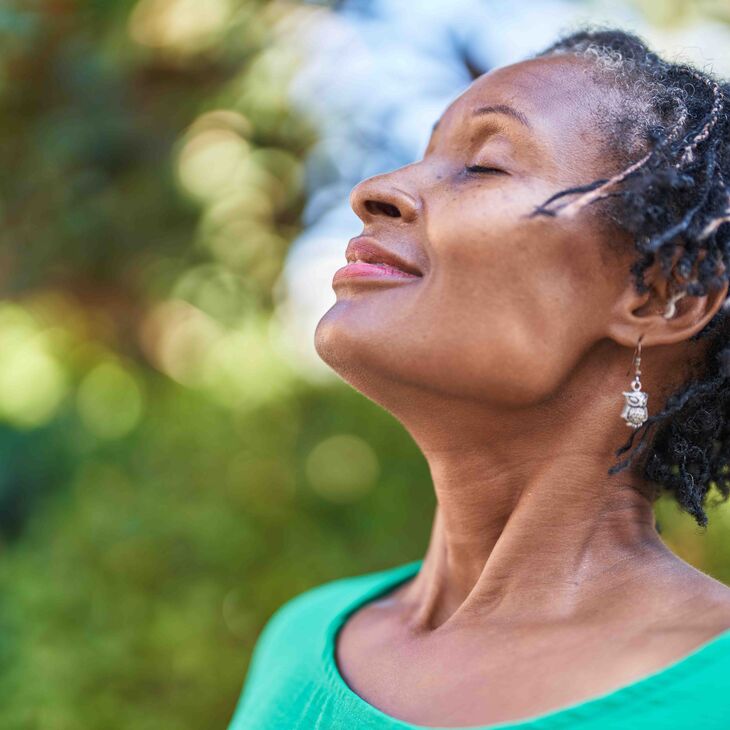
(168, 478)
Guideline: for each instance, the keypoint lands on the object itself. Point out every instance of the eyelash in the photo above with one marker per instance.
(484, 170)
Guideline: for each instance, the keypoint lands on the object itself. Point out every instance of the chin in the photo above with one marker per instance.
(354, 355)
(333, 341)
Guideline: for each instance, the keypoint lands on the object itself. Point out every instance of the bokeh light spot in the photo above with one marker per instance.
(179, 25)
(32, 382)
(109, 401)
(176, 337)
(210, 163)
(342, 468)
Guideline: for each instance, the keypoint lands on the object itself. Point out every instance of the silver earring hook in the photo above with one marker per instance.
(636, 357)
(635, 411)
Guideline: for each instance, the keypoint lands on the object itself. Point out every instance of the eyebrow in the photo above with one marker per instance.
(496, 109)
(503, 109)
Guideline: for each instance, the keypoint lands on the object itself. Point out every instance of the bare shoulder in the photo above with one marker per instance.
(699, 601)
(717, 599)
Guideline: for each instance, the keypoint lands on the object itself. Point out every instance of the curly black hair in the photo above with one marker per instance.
(668, 130)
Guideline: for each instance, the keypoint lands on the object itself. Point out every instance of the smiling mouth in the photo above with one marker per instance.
(366, 270)
(369, 260)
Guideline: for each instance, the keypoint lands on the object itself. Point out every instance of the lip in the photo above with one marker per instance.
(367, 258)
(361, 270)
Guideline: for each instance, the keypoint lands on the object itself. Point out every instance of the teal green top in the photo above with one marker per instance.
(293, 682)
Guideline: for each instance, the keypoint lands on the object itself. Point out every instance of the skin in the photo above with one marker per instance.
(506, 362)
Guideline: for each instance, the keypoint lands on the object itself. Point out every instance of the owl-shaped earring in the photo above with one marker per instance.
(635, 411)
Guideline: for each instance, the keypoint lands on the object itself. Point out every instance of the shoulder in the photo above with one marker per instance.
(708, 596)
(717, 609)
(696, 601)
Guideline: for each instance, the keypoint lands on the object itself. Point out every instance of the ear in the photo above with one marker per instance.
(663, 314)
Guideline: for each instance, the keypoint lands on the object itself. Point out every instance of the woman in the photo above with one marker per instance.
(567, 225)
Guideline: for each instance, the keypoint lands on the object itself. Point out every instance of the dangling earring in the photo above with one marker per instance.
(635, 411)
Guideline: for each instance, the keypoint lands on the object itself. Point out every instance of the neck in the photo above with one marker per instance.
(529, 526)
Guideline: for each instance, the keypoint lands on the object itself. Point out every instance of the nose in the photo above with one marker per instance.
(379, 197)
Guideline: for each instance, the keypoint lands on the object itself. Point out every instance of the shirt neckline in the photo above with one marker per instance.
(391, 578)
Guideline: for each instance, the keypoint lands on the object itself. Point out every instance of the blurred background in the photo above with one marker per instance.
(176, 462)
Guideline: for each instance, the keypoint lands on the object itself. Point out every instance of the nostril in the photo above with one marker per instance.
(376, 207)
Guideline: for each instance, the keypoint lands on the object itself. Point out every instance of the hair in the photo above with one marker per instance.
(668, 131)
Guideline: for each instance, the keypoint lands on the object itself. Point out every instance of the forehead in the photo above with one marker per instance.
(559, 97)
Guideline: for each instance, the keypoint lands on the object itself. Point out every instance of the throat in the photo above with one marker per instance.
(528, 564)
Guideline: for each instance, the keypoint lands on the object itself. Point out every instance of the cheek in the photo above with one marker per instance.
(514, 302)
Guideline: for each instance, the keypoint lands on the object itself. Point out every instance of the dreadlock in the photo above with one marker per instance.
(669, 131)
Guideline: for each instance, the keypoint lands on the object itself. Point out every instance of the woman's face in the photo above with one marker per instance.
(505, 305)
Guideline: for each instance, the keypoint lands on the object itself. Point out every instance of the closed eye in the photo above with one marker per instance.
(486, 170)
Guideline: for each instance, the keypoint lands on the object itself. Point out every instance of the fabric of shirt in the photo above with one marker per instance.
(293, 682)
